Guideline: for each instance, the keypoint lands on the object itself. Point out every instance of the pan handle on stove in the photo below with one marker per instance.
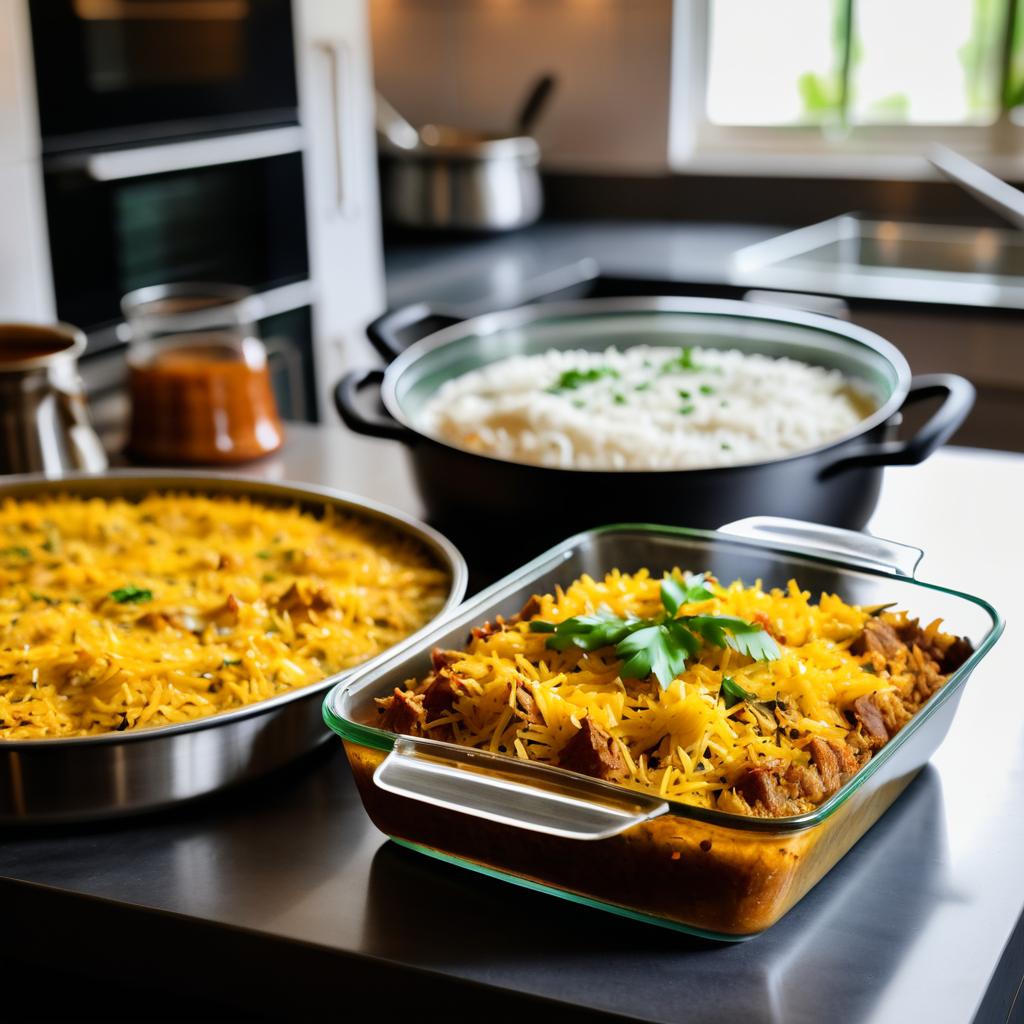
(851, 547)
(958, 394)
(523, 794)
(345, 398)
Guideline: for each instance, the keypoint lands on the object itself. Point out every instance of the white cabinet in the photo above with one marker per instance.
(343, 212)
(26, 292)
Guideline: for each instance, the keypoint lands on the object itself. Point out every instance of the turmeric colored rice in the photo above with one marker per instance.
(845, 680)
(117, 615)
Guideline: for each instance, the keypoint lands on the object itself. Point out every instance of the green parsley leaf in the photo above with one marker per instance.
(682, 363)
(265, 555)
(570, 380)
(675, 593)
(660, 646)
(645, 386)
(587, 632)
(732, 693)
(651, 651)
(619, 399)
(742, 636)
(706, 389)
(230, 661)
(686, 410)
(131, 595)
(16, 550)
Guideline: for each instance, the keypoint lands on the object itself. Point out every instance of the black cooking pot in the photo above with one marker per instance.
(469, 494)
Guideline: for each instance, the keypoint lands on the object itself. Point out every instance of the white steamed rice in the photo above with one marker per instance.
(643, 408)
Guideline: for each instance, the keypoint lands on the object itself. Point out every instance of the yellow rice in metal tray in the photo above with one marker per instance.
(770, 733)
(117, 615)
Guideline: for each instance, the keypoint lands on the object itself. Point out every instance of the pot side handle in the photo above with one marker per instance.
(393, 332)
(860, 549)
(959, 398)
(345, 393)
(523, 794)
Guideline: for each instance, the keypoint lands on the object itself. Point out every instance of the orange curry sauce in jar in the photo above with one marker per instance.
(198, 376)
(202, 403)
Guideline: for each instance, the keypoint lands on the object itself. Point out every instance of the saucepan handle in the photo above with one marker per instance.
(958, 398)
(394, 331)
(523, 794)
(345, 398)
(851, 547)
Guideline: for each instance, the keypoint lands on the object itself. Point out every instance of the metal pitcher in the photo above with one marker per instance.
(44, 423)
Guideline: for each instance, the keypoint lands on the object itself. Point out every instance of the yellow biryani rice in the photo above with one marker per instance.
(797, 738)
(117, 615)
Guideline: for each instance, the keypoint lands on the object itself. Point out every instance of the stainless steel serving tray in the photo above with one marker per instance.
(725, 876)
(122, 773)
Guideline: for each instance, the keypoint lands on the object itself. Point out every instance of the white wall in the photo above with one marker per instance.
(471, 62)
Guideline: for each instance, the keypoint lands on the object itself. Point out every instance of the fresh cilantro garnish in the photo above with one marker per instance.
(263, 554)
(131, 595)
(643, 386)
(682, 363)
(570, 380)
(706, 389)
(684, 395)
(686, 410)
(16, 550)
(619, 399)
(732, 693)
(660, 646)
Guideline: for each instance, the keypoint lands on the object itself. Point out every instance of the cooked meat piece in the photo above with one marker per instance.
(531, 608)
(299, 604)
(827, 763)
(847, 758)
(403, 712)
(878, 637)
(527, 706)
(592, 752)
(442, 659)
(227, 613)
(835, 762)
(769, 626)
(955, 655)
(804, 782)
(440, 695)
(872, 724)
(486, 630)
(760, 785)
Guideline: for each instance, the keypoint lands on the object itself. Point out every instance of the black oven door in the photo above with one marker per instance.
(115, 227)
(110, 72)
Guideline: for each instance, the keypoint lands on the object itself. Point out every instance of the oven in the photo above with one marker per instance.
(111, 72)
(126, 219)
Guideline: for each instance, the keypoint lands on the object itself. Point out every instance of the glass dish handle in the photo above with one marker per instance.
(860, 549)
(502, 789)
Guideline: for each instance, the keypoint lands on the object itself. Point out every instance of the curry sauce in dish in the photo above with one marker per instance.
(731, 697)
(119, 615)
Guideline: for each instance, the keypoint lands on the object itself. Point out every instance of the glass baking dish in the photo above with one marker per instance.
(707, 872)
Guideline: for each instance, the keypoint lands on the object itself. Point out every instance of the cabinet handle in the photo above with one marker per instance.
(339, 68)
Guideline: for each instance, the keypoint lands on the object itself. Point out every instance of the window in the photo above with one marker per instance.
(864, 84)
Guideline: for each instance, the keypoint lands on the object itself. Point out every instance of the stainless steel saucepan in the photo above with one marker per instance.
(113, 774)
(445, 178)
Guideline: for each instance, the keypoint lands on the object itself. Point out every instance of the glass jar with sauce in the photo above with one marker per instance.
(198, 376)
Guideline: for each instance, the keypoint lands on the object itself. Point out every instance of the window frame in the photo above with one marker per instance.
(697, 146)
